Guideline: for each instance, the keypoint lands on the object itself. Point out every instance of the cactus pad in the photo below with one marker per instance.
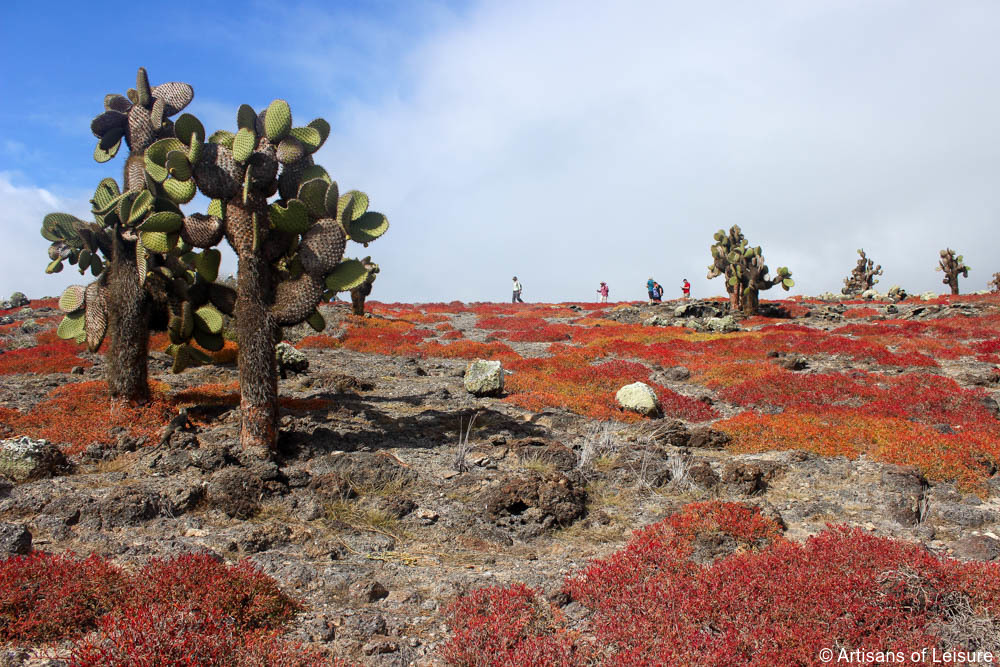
(222, 138)
(208, 264)
(178, 166)
(322, 247)
(295, 300)
(313, 194)
(140, 132)
(72, 299)
(210, 341)
(201, 231)
(309, 137)
(180, 192)
(72, 325)
(218, 175)
(347, 275)
(188, 125)
(277, 120)
(368, 227)
(290, 150)
(316, 321)
(243, 144)
(208, 319)
(163, 221)
(293, 218)
(96, 315)
(246, 118)
(159, 242)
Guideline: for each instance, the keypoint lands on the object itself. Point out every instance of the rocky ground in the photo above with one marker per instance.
(379, 511)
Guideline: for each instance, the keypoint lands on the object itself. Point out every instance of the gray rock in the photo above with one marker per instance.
(870, 294)
(977, 547)
(484, 378)
(928, 296)
(290, 359)
(22, 459)
(639, 397)
(721, 324)
(6, 319)
(17, 299)
(896, 293)
(14, 539)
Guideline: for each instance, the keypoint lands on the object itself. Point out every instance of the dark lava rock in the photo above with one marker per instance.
(705, 437)
(15, 539)
(235, 491)
(977, 547)
(128, 506)
(702, 475)
(542, 498)
(368, 590)
(749, 478)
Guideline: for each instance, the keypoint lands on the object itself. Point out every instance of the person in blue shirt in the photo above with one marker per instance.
(651, 290)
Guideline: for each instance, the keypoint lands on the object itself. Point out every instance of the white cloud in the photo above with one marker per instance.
(571, 143)
(22, 208)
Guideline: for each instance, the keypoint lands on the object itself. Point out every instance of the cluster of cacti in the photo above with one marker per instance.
(290, 251)
(862, 277)
(744, 269)
(952, 267)
(361, 292)
(134, 272)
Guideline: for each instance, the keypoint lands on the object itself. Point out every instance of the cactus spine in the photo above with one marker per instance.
(120, 301)
(952, 267)
(290, 250)
(862, 277)
(744, 269)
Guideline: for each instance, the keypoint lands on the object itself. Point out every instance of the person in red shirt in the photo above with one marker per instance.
(686, 289)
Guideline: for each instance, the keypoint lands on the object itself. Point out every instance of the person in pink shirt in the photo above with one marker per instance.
(603, 291)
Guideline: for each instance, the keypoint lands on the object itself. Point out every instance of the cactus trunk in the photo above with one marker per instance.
(128, 322)
(256, 333)
(358, 296)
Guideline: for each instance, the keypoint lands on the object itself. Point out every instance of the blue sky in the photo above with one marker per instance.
(565, 142)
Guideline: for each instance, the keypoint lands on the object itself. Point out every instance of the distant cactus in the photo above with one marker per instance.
(290, 251)
(361, 292)
(952, 267)
(862, 277)
(744, 270)
(133, 276)
(995, 284)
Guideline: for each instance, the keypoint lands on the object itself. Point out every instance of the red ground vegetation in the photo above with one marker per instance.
(771, 601)
(57, 357)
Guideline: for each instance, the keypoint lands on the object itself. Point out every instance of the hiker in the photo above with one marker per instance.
(657, 292)
(603, 291)
(517, 292)
(651, 290)
(686, 289)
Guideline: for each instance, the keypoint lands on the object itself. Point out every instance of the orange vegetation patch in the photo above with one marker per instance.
(58, 357)
(160, 340)
(468, 349)
(76, 415)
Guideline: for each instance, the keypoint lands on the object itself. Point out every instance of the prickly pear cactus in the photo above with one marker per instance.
(744, 269)
(290, 249)
(362, 291)
(995, 283)
(144, 269)
(953, 266)
(862, 277)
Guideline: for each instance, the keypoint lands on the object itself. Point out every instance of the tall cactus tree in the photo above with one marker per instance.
(863, 276)
(362, 291)
(995, 283)
(952, 267)
(744, 269)
(290, 250)
(120, 301)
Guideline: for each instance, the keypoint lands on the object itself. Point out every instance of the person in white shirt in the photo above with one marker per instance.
(517, 292)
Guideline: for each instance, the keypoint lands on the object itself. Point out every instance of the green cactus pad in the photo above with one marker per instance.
(293, 219)
(72, 299)
(96, 316)
(59, 226)
(246, 118)
(178, 165)
(316, 320)
(133, 95)
(155, 157)
(309, 137)
(314, 171)
(332, 197)
(180, 192)
(210, 341)
(368, 227)
(222, 138)
(313, 195)
(143, 92)
(194, 153)
(787, 282)
(290, 150)
(163, 221)
(349, 274)
(217, 209)
(101, 155)
(208, 264)
(208, 319)
(277, 121)
(140, 262)
(71, 326)
(84, 260)
(158, 242)
(187, 126)
(105, 193)
(243, 145)
(107, 121)
(96, 265)
(55, 266)
(351, 206)
(322, 127)
(142, 204)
